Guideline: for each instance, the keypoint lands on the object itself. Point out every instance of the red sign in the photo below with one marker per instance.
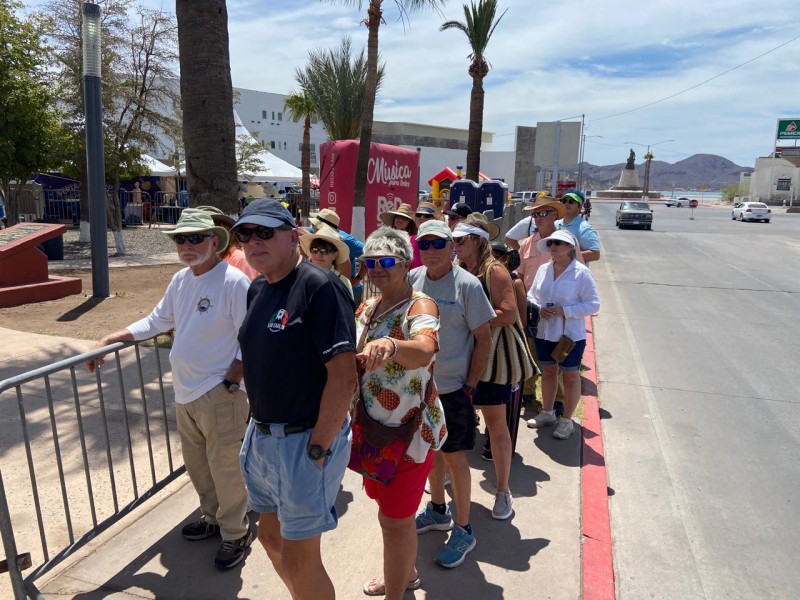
(392, 178)
(693, 203)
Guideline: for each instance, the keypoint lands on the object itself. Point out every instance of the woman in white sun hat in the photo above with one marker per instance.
(565, 292)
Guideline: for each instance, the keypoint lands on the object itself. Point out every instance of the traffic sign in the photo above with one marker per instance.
(693, 203)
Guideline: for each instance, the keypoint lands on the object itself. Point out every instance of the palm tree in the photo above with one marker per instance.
(207, 101)
(336, 81)
(479, 25)
(300, 106)
(373, 22)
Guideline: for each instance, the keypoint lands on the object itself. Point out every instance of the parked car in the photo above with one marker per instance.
(679, 202)
(635, 214)
(751, 211)
(526, 196)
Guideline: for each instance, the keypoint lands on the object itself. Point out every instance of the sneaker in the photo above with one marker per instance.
(503, 505)
(543, 419)
(487, 455)
(429, 520)
(456, 549)
(231, 552)
(199, 530)
(564, 429)
(428, 483)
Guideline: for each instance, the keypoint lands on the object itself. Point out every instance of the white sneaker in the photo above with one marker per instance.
(543, 419)
(503, 505)
(564, 429)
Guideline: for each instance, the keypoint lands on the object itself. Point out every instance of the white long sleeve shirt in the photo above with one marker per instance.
(574, 291)
(206, 312)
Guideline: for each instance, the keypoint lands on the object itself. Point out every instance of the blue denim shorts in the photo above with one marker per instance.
(571, 363)
(281, 478)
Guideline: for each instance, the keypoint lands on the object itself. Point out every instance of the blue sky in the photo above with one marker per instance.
(553, 60)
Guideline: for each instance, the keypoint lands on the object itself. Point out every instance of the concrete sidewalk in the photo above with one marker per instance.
(535, 553)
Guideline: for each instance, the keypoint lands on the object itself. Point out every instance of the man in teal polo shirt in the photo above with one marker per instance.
(574, 222)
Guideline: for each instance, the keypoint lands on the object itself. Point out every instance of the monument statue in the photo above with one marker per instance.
(631, 166)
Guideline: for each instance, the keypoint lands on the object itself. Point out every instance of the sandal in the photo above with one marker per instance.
(376, 586)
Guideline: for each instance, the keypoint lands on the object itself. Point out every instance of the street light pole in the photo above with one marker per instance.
(584, 137)
(648, 157)
(95, 165)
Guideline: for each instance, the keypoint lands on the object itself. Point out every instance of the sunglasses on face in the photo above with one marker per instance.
(262, 233)
(439, 244)
(387, 262)
(423, 215)
(543, 213)
(192, 238)
(461, 240)
(569, 201)
(322, 251)
(556, 243)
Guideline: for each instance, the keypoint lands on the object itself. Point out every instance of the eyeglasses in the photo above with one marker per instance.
(192, 238)
(556, 243)
(543, 213)
(569, 201)
(462, 239)
(438, 244)
(322, 251)
(423, 215)
(262, 233)
(387, 262)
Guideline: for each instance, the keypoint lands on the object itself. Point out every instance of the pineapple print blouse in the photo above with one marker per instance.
(392, 393)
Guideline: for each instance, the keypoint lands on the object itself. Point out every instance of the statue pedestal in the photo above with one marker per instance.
(629, 179)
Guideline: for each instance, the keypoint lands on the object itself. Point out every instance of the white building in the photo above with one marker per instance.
(776, 180)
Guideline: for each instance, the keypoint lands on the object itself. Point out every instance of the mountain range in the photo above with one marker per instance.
(699, 169)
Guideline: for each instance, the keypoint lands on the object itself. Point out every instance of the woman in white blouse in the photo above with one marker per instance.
(565, 292)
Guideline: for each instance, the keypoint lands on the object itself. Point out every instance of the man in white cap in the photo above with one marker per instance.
(464, 345)
(205, 304)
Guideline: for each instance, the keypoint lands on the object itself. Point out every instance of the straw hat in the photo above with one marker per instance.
(326, 234)
(327, 216)
(490, 226)
(404, 210)
(429, 208)
(547, 202)
(197, 221)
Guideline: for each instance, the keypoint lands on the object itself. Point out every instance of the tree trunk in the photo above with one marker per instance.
(209, 134)
(305, 166)
(475, 129)
(370, 89)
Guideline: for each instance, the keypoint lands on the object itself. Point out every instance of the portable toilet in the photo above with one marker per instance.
(492, 196)
(464, 190)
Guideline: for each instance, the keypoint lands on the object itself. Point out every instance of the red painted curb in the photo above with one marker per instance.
(597, 561)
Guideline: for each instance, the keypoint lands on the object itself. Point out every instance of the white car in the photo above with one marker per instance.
(751, 211)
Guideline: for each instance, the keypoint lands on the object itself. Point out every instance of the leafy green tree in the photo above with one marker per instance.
(209, 132)
(30, 130)
(478, 25)
(335, 80)
(373, 22)
(732, 190)
(248, 149)
(299, 105)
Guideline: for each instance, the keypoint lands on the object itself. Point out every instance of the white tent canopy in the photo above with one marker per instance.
(275, 169)
(157, 168)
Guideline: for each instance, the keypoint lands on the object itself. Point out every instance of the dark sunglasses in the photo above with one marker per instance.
(262, 233)
(569, 201)
(556, 243)
(322, 251)
(192, 238)
(439, 244)
(424, 215)
(543, 213)
(387, 262)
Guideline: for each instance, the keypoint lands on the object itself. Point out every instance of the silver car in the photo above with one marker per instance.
(751, 211)
(635, 214)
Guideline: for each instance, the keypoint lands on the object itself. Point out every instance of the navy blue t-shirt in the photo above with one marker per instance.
(292, 328)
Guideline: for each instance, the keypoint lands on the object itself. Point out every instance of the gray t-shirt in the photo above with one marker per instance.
(463, 307)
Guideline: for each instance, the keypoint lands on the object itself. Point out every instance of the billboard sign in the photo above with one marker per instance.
(788, 129)
(392, 178)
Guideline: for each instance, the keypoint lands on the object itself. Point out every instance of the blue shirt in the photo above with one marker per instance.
(356, 248)
(580, 228)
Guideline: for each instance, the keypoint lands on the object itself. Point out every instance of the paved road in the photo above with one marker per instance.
(697, 345)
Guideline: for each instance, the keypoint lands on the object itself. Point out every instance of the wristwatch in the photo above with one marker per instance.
(315, 452)
(231, 386)
(469, 390)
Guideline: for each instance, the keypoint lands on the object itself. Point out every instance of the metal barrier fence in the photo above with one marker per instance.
(95, 449)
